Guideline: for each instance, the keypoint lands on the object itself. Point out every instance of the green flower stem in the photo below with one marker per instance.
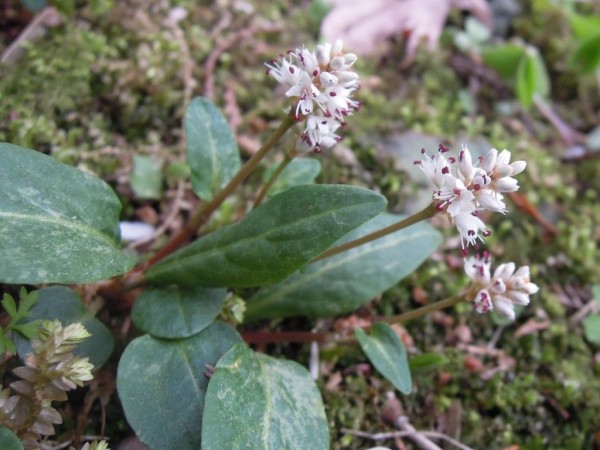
(257, 337)
(410, 315)
(424, 214)
(201, 216)
(263, 191)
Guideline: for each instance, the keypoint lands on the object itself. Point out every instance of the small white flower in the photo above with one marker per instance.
(469, 227)
(502, 291)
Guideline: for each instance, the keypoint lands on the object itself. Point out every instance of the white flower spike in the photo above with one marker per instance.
(463, 188)
(502, 291)
(320, 84)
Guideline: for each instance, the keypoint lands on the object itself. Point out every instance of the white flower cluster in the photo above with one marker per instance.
(321, 84)
(463, 188)
(502, 291)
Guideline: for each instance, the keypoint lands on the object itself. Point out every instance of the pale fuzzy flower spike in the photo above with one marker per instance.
(320, 85)
(464, 188)
(501, 291)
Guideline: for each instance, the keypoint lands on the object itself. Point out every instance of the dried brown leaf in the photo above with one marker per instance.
(365, 26)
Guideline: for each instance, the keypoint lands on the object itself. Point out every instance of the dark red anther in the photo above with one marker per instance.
(464, 252)
(471, 232)
(315, 72)
(452, 160)
(332, 94)
(443, 149)
(343, 124)
(486, 233)
(422, 150)
(418, 162)
(445, 170)
(461, 155)
(291, 69)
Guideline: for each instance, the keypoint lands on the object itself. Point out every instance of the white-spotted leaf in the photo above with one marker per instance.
(343, 282)
(162, 385)
(272, 241)
(255, 401)
(57, 223)
(212, 151)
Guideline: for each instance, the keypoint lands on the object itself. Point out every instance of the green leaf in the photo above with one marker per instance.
(266, 402)
(147, 178)
(591, 328)
(162, 386)
(58, 224)
(584, 26)
(212, 151)
(177, 313)
(273, 241)
(532, 78)
(344, 282)
(30, 329)
(299, 171)
(63, 304)
(427, 361)
(504, 59)
(387, 353)
(587, 55)
(6, 344)
(9, 440)
(9, 305)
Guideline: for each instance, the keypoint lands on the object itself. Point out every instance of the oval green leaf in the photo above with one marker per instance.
(273, 241)
(504, 59)
(344, 282)
(57, 223)
(587, 54)
(584, 26)
(9, 440)
(162, 386)
(255, 401)
(427, 361)
(532, 78)
(177, 313)
(387, 353)
(299, 171)
(591, 328)
(63, 304)
(212, 151)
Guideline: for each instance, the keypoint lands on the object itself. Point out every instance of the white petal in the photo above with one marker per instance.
(504, 307)
(505, 270)
(503, 158)
(506, 184)
(489, 161)
(465, 163)
(522, 272)
(491, 202)
(518, 297)
(518, 167)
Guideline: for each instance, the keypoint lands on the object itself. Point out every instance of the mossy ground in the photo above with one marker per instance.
(109, 82)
